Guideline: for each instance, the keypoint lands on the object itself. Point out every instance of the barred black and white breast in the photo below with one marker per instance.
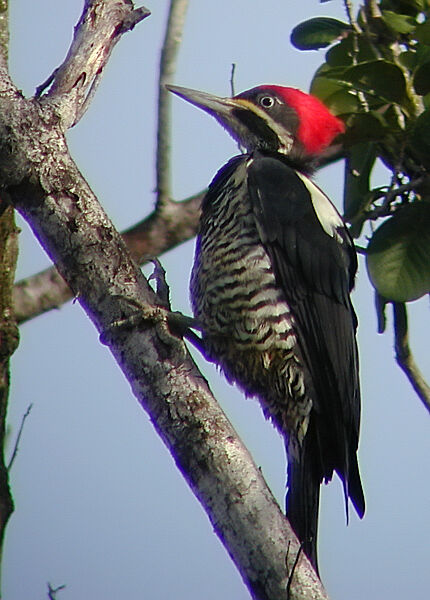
(246, 322)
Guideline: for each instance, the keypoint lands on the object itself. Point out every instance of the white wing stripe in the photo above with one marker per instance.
(327, 214)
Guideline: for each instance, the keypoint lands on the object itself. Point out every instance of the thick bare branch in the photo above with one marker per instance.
(404, 355)
(159, 232)
(169, 53)
(100, 27)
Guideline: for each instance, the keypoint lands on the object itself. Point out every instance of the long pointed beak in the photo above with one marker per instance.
(244, 120)
(214, 105)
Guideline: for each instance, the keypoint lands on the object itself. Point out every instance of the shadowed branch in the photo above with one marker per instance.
(404, 356)
(169, 53)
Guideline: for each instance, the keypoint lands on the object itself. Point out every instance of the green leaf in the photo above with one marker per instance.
(422, 33)
(426, 101)
(326, 82)
(405, 7)
(398, 255)
(357, 197)
(342, 102)
(422, 54)
(422, 79)
(318, 32)
(408, 59)
(365, 127)
(379, 77)
(338, 97)
(403, 24)
(350, 50)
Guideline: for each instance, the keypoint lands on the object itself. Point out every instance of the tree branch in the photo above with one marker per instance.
(404, 355)
(52, 592)
(9, 334)
(151, 237)
(18, 437)
(169, 53)
(99, 29)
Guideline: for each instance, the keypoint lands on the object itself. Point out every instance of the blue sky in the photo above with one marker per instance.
(100, 505)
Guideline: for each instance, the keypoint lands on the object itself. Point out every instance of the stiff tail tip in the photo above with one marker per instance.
(302, 507)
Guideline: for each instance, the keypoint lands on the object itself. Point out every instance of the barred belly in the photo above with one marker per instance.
(247, 326)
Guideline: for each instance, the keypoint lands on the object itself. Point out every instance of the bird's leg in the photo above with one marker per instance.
(182, 326)
(170, 325)
(162, 287)
(144, 315)
(179, 324)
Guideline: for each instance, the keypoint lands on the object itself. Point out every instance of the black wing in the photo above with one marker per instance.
(315, 264)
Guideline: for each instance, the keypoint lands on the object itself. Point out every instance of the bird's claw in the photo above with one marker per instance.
(171, 327)
(144, 316)
(161, 288)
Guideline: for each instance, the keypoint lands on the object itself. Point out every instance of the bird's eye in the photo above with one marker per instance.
(267, 101)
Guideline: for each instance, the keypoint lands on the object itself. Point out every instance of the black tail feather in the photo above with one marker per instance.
(302, 504)
(305, 476)
(355, 489)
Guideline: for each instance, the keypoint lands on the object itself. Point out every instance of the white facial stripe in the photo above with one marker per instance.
(327, 214)
(286, 140)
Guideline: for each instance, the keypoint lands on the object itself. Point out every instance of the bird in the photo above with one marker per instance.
(270, 289)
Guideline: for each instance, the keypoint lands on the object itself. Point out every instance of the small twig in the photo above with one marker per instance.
(232, 73)
(393, 192)
(168, 58)
(350, 14)
(18, 437)
(404, 356)
(241, 148)
(386, 208)
(291, 575)
(373, 8)
(356, 31)
(52, 592)
(396, 179)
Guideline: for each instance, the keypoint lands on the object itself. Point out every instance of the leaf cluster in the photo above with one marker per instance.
(376, 76)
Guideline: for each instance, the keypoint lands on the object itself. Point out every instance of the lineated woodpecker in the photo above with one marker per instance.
(270, 289)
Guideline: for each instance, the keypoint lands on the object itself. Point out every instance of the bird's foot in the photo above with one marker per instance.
(180, 325)
(145, 315)
(162, 288)
(171, 326)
